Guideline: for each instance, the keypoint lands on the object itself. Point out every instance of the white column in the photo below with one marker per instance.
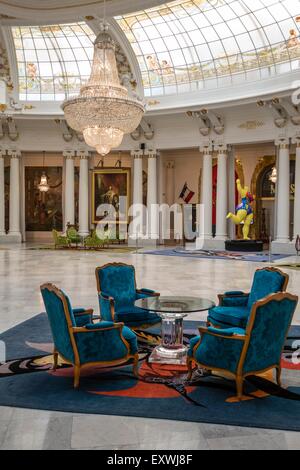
(137, 177)
(136, 228)
(167, 218)
(2, 194)
(69, 189)
(152, 207)
(84, 193)
(297, 189)
(170, 182)
(231, 228)
(14, 197)
(283, 192)
(222, 195)
(206, 223)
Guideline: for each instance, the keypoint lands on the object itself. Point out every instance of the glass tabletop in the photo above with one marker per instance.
(175, 304)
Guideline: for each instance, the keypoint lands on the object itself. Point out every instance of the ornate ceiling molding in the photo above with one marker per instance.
(42, 12)
(5, 73)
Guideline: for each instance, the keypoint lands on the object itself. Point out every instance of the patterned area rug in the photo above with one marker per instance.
(215, 255)
(106, 250)
(27, 380)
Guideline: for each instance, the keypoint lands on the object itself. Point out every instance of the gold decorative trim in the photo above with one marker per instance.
(251, 125)
(153, 102)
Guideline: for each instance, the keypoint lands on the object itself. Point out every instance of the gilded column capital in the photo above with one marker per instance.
(296, 140)
(83, 154)
(69, 154)
(283, 143)
(151, 153)
(170, 165)
(137, 154)
(222, 149)
(14, 153)
(206, 149)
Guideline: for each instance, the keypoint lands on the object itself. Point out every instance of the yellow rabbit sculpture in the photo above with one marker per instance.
(244, 210)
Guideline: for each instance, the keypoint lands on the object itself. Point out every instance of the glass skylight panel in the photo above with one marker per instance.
(53, 61)
(191, 42)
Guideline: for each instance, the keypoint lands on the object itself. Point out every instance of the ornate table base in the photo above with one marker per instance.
(172, 311)
(171, 350)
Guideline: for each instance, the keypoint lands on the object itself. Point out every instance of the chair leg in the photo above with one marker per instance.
(239, 387)
(136, 365)
(76, 376)
(189, 364)
(55, 360)
(278, 375)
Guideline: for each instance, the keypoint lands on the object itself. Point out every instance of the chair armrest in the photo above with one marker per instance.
(82, 316)
(234, 293)
(233, 299)
(230, 333)
(100, 326)
(82, 311)
(142, 293)
(107, 307)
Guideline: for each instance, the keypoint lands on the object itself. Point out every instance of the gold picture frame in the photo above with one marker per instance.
(108, 184)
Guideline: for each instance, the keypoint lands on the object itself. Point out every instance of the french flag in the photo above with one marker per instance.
(186, 194)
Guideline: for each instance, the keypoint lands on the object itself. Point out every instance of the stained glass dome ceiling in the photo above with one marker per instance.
(181, 46)
(196, 44)
(53, 61)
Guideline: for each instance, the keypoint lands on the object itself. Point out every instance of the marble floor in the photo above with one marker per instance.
(23, 269)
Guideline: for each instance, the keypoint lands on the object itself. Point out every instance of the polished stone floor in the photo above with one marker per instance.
(23, 269)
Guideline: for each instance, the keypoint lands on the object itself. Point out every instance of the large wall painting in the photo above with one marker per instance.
(108, 185)
(43, 211)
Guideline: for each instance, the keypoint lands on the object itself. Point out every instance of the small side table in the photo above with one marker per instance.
(172, 311)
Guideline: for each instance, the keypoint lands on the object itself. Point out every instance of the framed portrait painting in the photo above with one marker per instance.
(111, 186)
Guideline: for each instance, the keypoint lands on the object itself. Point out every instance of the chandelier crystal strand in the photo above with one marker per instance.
(103, 111)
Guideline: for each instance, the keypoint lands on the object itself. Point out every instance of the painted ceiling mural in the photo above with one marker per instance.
(194, 44)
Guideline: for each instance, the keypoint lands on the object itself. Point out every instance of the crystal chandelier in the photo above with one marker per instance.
(103, 111)
(43, 185)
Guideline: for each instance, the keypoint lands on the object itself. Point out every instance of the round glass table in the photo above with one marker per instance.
(172, 311)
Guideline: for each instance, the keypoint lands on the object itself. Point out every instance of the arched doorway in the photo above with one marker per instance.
(264, 191)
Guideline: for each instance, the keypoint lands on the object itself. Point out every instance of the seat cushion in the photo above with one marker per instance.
(193, 343)
(265, 283)
(231, 316)
(131, 338)
(134, 316)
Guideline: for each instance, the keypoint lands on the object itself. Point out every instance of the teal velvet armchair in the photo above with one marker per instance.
(243, 352)
(83, 343)
(117, 292)
(235, 307)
